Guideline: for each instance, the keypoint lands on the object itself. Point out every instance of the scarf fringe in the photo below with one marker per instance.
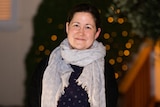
(58, 71)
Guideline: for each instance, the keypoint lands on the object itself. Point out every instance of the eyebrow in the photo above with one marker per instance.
(86, 24)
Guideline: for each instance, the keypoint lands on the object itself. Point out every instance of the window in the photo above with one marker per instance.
(8, 14)
(5, 10)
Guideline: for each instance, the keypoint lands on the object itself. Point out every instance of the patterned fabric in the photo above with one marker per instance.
(75, 95)
(34, 99)
(57, 73)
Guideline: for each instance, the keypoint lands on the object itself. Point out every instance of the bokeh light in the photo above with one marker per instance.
(110, 19)
(112, 61)
(47, 52)
(53, 37)
(120, 20)
(126, 52)
(124, 33)
(128, 45)
(108, 47)
(60, 26)
(119, 59)
(124, 67)
(41, 48)
(106, 36)
(120, 53)
(49, 20)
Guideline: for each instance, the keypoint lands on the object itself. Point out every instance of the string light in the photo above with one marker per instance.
(131, 41)
(110, 19)
(116, 75)
(128, 45)
(112, 61)
(126, 52)
(53, 37)
(119, 59)
(120, 53)
(120, 20)
(60, 26)
(112, 8)
(47, 52)
(108, 47)
(124, 33)
(49, 20)
(41, 48)
(106, 36)
(117, 11)
(124, 67)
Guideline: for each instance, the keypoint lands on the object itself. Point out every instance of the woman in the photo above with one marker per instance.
(76, 74)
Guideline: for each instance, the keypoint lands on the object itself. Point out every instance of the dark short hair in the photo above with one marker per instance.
(85, 7)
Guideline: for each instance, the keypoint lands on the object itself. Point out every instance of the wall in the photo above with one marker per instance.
(14, 45)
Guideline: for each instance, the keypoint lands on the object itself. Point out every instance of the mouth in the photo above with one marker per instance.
(80, 39)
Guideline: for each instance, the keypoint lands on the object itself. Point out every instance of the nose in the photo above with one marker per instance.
(81, 30)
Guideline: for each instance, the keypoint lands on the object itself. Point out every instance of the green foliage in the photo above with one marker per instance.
(144, 16)
(50, 20)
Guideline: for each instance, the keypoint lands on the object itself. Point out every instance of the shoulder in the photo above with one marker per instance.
(111, 85)
(109, 70)
(35, 87)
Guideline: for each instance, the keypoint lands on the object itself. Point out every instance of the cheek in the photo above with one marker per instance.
(71, 31)
(91, 36)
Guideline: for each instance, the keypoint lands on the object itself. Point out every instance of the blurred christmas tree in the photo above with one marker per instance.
(49, 31)
(143, 15)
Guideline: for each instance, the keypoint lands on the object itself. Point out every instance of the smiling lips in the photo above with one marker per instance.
(80, 39)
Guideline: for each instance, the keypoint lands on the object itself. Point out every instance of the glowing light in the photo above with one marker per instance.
(126, 52)
(119, 59)
(112, 61)
(114, 34)
(53, 37)
(116, 75)
(41, 48)
(47, 52)
(131, 41)
(110, 19)
(124, 33)
(60, 26)
(112, 8)
(118, 11)
(110, 40)
(120, 20)
(124, 67)
(128, 45)
(106, 36)
(49, 20)
(120, 53)
(108, 47)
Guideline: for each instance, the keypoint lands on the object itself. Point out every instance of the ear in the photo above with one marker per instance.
(67, 24)
(97, 33)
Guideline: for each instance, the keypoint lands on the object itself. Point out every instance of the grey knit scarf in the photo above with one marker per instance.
(58, 71)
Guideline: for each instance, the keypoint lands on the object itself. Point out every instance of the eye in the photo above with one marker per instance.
(76, 25)
(89, 27)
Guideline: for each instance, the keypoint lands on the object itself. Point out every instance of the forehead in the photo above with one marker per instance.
(83, 15)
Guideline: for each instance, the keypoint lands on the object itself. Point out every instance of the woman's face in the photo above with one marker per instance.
(81, 31)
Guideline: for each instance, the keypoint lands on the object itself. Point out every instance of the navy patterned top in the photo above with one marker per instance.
(35, 89)
(75, 95)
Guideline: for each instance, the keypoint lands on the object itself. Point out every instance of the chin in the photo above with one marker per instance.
(79, 48)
